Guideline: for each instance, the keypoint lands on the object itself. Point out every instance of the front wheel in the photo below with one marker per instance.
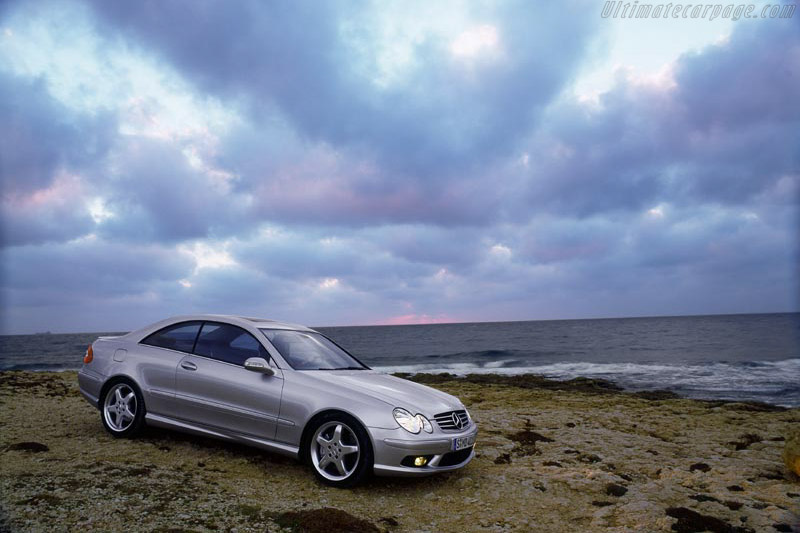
(123, 410)
(340, 451)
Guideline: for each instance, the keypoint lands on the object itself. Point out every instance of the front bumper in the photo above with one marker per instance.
(391, 446)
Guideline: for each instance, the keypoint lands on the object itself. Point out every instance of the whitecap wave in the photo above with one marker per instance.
(775, 382)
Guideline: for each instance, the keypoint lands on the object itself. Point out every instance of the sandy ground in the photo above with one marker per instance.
(551, 457)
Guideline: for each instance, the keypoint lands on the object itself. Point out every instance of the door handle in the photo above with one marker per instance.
(188, 365)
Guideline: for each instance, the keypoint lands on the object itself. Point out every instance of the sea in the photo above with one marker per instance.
(753, 357)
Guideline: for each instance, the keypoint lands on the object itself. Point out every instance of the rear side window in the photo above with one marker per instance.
(179, 337)
(227, 343)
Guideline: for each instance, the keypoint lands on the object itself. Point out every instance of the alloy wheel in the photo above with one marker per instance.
(335, 451)
(120, 406)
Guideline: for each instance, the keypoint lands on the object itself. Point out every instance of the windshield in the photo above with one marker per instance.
(305, 350)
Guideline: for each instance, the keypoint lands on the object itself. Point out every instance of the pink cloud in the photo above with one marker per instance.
(404, 320)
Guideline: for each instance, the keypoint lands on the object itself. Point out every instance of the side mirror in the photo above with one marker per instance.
(260, 365)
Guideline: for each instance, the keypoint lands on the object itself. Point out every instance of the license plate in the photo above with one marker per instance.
(463, 442)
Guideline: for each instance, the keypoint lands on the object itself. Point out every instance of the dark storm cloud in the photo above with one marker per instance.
(364, 263)
(740, 112)
(295, 58)
(109, 269)
(156, 194)
(725, 132)
(83, 285)
(41, 136)
(58, 221)
(41, 141)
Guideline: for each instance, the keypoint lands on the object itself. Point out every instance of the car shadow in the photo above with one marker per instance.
(167, 440)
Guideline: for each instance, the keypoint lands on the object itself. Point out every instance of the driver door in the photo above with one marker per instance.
(214, 389)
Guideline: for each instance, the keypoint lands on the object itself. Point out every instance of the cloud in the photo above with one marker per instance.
(155, 192)
(44, 153)
(709, 136)
(56, 213)
(316, 65)
(337, 163)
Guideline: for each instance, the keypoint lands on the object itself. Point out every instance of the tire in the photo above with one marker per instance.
(122, 409)
(339, 450)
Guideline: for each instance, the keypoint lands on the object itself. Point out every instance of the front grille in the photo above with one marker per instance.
(455, 458)
(447, 423)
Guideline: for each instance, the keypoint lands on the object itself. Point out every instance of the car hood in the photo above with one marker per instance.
(394, 391)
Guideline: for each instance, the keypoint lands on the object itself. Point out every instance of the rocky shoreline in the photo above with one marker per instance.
(552, 456)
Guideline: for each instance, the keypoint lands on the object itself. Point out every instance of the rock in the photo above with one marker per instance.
(526, 436)
(703, 467)
(773, 474)
(782, 527)
(612, 489)
(389, 521)
(503, 459)
(326, 519)
(143, 488)
(746, 440)
(656, 395)
(693, 522)
(735, 488)
(597, 503)
(791, 452)
(703, 498)
(33, 447)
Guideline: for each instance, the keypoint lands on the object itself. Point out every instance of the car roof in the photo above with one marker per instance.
(231, 319)
(257, 322)
(269, 323)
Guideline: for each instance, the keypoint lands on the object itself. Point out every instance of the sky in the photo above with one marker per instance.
(343, 163)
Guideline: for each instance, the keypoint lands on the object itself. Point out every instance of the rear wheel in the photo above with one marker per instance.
(123, 410)
(339, 451)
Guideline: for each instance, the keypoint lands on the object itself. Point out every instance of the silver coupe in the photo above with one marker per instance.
(281, 387)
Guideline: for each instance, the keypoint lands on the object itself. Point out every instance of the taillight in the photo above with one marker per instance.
(89, 355)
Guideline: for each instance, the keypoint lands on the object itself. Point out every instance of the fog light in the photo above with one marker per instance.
(420, 461)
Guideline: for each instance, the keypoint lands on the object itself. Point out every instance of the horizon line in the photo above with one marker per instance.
(634, 317)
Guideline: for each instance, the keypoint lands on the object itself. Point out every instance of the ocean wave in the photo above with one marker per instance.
(477, 355)
(771, 381)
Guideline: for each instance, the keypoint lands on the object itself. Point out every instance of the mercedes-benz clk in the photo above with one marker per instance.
(281, 387)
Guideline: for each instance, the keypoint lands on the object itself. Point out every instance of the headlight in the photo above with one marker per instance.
(412, 423)
(407, 421)
(426, 424)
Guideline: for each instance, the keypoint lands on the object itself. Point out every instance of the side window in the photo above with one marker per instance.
(176, 337)
(230, 344)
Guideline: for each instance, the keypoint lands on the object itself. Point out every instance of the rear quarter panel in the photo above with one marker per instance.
(151, 369)
(94, 374)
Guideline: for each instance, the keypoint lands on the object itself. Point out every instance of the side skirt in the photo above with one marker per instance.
(186, 427)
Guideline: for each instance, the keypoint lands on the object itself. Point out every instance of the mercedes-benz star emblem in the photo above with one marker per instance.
(457, 421)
